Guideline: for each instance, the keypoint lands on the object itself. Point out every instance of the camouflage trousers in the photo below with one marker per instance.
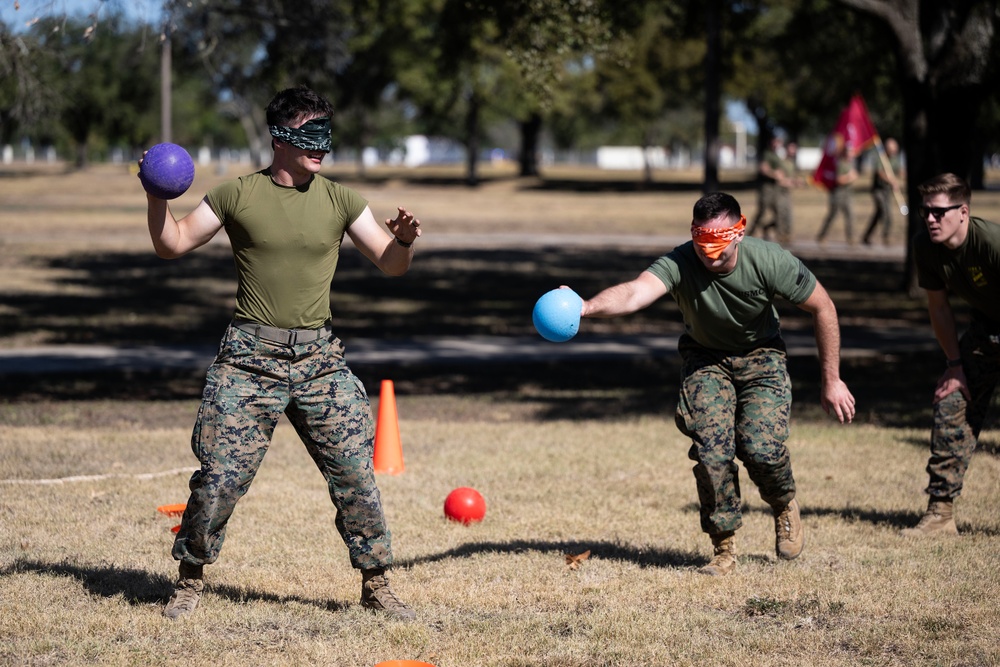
(777, 201)
(958, 422)
(884, 207)
(840, 202)
(251, 383)
(736, 406)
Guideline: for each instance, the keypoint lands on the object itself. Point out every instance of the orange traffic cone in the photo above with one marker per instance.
(388, 457)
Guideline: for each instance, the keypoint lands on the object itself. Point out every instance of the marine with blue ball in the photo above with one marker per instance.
(735, 395)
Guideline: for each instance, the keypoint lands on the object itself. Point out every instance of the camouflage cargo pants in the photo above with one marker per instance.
(840, 203)
(884, 207)
(958, 422)
(767, 202)
(736, 406)
(251, 383)
(783, 216)
(777, 201)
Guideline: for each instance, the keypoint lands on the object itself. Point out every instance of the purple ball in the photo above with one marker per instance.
(167, 171)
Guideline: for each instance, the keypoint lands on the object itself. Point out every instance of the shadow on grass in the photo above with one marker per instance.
(542, 182)
(890, 392)
(133, 299)
(641, 556)
(139, 587)
(894, 520)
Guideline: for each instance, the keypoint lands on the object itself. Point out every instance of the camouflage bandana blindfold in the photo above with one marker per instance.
(311, 136)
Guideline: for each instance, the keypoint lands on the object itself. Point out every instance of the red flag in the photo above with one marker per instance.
(854, 127)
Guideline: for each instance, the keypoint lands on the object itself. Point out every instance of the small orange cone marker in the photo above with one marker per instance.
(388, 457)
(174, 510)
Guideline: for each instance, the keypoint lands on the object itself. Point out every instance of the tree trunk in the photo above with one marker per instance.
(531, 130)
(255, 128)
(362, 138)
(764, 129)
(918, 169)
(943, 52)
(713, 38)
(472, 141)
(81, 154)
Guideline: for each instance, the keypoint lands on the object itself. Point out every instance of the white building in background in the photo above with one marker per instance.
(808, 157)
(631, 157)
(417, 151)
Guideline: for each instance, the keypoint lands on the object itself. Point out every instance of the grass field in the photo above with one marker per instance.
(85, 569)
(569, 458)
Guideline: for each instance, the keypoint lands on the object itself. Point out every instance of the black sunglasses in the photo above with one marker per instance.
(937, 211)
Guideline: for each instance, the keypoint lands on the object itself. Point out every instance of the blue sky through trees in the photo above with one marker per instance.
(140, 10)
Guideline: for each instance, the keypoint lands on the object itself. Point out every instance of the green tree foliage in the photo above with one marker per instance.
(98, 72)
(652, 78)
(384, 38)
(486, 61)
(552, 43)
(88, 84)
(592, 71)
(819, 54)
(24, 99)
(252, 48)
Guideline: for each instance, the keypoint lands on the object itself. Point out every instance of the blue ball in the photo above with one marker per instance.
(557, 315)
(167, 171)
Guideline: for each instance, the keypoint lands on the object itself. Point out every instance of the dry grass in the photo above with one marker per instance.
(85, 565)
(569, 459)
(49, 203)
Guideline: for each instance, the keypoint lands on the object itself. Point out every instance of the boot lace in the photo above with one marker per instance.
(378, 595)
(185, 598)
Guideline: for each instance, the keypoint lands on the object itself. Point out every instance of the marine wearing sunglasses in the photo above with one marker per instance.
(946, 222)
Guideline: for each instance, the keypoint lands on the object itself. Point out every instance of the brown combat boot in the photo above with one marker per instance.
(788, 534)
(187, 592)
(724, 560)
(939, 519)
(377, 596)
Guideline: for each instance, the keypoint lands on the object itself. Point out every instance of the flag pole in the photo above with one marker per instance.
(880, 149)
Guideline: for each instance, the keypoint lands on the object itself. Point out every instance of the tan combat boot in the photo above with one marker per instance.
(939, 519)
(724, 560)
(377, 596)
(187, 592)
(788, 535)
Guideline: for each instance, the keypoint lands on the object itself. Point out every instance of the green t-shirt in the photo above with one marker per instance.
(971, 271)
(774, 161)
(286, 244)
(734, 311)
(844, 167)
(788, 167)
(880, 180)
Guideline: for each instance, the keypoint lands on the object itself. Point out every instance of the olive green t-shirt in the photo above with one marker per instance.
(286, 244)
(774, 161)
(970, 271)
(880, 179)
(734, 311)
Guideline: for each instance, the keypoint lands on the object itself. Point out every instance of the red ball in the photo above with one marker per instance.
(465, 505)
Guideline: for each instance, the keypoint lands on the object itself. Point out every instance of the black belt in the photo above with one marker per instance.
(283, 336)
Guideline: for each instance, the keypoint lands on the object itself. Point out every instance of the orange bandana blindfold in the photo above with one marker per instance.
(714, 241)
